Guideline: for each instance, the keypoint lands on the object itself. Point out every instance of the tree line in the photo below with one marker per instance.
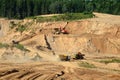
(24, 8)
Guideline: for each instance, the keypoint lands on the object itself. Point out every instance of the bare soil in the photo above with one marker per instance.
(98, 38)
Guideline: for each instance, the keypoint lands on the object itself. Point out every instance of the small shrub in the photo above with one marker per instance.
(64, 17)
(87, 65)
(110, 61)
(67, 16)
(21, 47)
(21, 28)
(4, 45)
(12, 24)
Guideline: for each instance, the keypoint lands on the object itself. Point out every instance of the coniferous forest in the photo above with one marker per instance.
(20, 9)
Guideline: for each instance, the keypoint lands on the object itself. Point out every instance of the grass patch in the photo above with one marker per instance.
(18, 46)
(21, 47)
(87, 65)
(12, 24)
(110, 61)
(63, 17)
(4, 45)
(21, 28)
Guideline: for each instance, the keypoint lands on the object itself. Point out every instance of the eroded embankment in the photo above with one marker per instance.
(4, 27)
(86, 36)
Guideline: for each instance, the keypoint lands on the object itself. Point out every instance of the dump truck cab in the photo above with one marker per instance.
(65, 57)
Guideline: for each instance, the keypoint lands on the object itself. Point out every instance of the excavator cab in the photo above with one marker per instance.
(60, 30)
(79, 55)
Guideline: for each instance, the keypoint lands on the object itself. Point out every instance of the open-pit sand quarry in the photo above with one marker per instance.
(98, 38)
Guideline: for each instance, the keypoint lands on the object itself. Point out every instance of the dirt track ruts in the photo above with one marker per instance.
(48, 71)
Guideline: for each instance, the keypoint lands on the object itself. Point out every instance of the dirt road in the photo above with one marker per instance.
(50, 71)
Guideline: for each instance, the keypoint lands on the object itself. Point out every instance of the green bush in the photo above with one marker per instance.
(110, 61)
(21, 28)
(43, 19)
(12, 24)
(63, 17)
(87, 65)
(75, 16)
(4, 45)
(21, 47)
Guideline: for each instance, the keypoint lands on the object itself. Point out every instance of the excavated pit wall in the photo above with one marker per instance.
(86, 36)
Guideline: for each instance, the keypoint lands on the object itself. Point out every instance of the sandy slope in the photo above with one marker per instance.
(93, 37)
